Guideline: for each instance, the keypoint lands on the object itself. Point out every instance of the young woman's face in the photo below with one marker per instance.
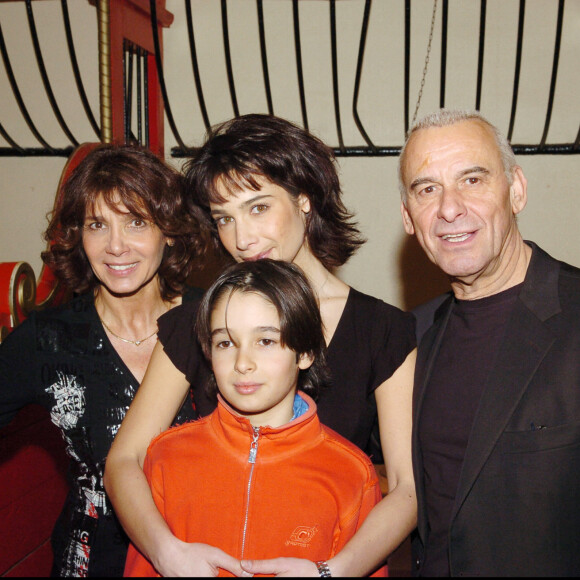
(124, 251)
(253, 371)
(268, 223)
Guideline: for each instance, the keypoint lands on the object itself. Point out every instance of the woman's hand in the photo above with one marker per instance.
(197, 560)
(296, 567)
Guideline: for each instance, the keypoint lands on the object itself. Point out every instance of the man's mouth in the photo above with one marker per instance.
(455, 238)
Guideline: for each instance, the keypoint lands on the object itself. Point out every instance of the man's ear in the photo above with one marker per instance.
(518, 190)
(407, 221)
(305, 361)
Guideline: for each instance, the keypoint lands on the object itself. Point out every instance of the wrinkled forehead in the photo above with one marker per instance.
(465, 143)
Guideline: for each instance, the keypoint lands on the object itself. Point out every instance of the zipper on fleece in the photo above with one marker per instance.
(252, 460)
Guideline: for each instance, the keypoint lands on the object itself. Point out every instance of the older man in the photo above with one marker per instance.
(497, 385)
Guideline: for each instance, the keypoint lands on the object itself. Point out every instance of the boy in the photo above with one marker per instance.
(261, 477)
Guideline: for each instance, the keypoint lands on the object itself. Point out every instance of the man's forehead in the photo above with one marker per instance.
(470, 140)
(464, 129)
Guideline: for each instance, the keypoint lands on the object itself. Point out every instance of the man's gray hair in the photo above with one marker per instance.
(447, 117)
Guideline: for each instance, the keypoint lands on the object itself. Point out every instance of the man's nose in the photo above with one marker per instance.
(451, 204)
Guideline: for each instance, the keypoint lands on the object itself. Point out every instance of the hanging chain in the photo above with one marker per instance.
(426, 61)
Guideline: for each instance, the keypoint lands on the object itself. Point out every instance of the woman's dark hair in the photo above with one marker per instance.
(150, 189)
(240, 151)
(285, 286)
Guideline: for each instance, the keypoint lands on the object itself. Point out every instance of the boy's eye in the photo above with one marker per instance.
(266, 341)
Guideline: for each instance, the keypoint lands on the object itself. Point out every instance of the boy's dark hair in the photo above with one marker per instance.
(285, 286)
(151, 190)
(240, 151)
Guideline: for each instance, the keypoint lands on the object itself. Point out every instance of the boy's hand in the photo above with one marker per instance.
(296, 567)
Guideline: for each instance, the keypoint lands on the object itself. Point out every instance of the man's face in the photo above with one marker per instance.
(459, 202)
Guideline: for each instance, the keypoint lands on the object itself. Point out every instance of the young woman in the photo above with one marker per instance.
(269, 189)
(123, 240)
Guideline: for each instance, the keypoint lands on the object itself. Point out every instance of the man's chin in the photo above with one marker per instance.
(459, 271)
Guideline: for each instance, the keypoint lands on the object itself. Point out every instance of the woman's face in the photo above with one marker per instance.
(268, 223)
(124, 250)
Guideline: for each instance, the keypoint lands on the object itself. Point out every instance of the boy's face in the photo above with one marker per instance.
(253, 371)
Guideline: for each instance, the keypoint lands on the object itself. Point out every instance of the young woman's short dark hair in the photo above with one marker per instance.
(151, 190)
(236, 153)
(285, 286)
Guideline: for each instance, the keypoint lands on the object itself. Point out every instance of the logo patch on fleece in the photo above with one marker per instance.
(302, 536)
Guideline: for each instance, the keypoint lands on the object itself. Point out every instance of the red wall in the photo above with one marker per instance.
(33, 488)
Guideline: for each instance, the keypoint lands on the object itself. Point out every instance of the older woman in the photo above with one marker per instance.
(124, 241)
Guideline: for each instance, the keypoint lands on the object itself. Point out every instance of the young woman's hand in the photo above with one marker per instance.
(197, 560)
(292, 567)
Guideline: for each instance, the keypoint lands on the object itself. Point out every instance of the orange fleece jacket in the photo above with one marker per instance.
(305, 495)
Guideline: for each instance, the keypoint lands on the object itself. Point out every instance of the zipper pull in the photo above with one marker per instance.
(254, 446)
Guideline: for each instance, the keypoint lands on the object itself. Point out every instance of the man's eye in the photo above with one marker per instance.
(427, 190)
(473, 180)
